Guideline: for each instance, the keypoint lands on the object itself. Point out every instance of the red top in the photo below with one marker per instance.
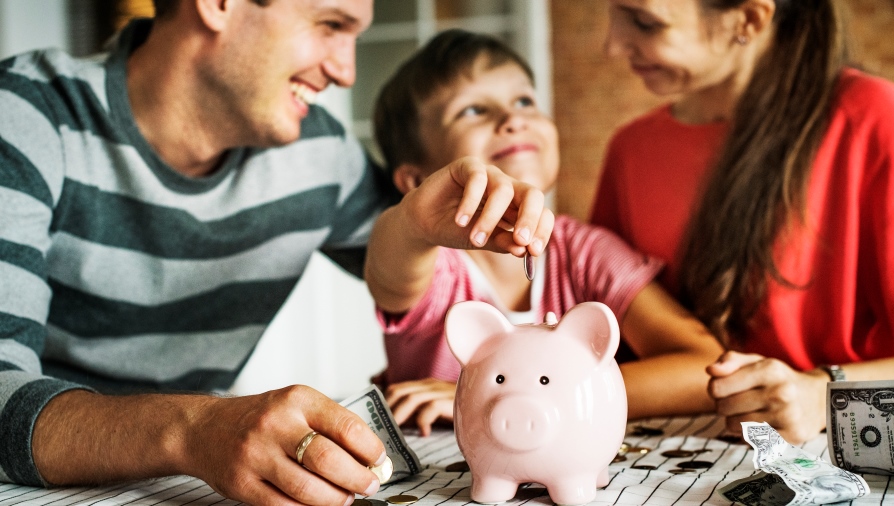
(844, 254)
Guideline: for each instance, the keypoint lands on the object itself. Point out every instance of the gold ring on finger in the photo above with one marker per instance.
(303, 444)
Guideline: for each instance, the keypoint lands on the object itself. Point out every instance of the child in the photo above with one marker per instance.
(468, 95)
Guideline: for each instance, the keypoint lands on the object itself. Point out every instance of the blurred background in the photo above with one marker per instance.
(326, 335)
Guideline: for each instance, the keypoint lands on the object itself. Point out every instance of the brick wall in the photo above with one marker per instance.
(595, 94)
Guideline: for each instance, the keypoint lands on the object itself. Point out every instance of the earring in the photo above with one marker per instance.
(742, 40)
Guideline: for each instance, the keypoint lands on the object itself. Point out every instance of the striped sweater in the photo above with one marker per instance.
(119, 274)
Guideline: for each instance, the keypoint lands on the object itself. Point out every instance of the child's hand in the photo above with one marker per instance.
(469, 204)
(427, 400)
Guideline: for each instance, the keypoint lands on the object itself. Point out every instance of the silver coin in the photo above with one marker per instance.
(529, 266)
(383, 472)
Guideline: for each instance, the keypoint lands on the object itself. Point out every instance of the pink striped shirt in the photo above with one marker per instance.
(583, 263)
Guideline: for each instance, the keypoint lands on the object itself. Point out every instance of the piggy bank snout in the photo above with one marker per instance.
(521, 423)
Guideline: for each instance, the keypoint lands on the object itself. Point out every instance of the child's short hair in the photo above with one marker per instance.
(439, 63)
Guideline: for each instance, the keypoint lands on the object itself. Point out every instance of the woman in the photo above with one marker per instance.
(768, 189)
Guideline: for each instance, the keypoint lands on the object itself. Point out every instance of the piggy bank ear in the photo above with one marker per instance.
(595, 325)
(469, 324)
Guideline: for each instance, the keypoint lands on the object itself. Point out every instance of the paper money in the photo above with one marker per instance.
(790, 475)
(860, 425)
(371, 407)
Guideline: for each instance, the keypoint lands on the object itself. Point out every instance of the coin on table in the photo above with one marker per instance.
(681, 471)
(677, 454)
(731, 439)
(642, 450)
(375, 502)
(618, 458)
(695, 464)
(645, 467)
(362, 502)
(403, 499)
(384, 470)
(458, 467)
(642, 430)
(625, 447)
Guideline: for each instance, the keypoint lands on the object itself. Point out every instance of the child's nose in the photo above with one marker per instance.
(513, 122)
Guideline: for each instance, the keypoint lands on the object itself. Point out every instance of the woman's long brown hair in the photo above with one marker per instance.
(759, 182)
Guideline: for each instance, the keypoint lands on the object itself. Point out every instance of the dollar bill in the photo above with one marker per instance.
(809, 479)
(860, 425)
(371, 407)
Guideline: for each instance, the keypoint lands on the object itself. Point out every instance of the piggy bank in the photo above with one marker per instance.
(537, 403)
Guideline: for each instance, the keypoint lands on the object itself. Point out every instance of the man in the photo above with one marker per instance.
(156, 208)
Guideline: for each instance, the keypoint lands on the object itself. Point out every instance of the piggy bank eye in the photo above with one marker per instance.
(500, 379)
(544, 380)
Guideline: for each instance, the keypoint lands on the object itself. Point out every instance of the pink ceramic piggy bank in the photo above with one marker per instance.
(537, 403)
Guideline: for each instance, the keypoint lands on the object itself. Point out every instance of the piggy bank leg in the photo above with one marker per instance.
(492, 490)
(603, 479)
(572, 490)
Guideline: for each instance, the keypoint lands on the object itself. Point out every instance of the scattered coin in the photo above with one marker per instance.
(458, 467)
(362, 502)
(619, 458)
(642, 450)
(645, 467)
(677, 454)
(529, 267)
(681, 471)
(731, 439)
(642, 430)
(375, 502)
(403, 499)
(625, 447)
(383, 471)
(703, 450)
(695, 464)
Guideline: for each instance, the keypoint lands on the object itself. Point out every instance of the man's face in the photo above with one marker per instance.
(271, 61)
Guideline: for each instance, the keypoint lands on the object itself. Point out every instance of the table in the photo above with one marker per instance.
(436, 486)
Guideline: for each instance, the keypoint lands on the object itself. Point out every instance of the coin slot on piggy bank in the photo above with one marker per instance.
(542, 403)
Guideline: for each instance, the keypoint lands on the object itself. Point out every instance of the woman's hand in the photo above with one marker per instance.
(754, 388)
(427, 401)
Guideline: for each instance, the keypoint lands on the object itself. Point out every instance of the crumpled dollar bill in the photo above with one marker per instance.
(371, 407)
(860, 423)
(790, 476)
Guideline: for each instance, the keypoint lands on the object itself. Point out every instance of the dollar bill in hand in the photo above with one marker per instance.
(809, 479)
(860, 425)
(371, 407)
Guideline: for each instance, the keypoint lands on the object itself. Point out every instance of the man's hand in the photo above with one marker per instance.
(426, 401)
(243, 447)
(754, 388)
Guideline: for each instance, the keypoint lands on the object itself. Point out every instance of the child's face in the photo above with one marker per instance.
(492, 114)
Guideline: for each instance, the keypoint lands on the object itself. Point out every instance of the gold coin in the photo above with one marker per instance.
(625, 447)
(403, 499)
(645, 467)
(458, 467)
(642, 450)
(681, 471)
(383, 472)
(677, 454)
(362, 502)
